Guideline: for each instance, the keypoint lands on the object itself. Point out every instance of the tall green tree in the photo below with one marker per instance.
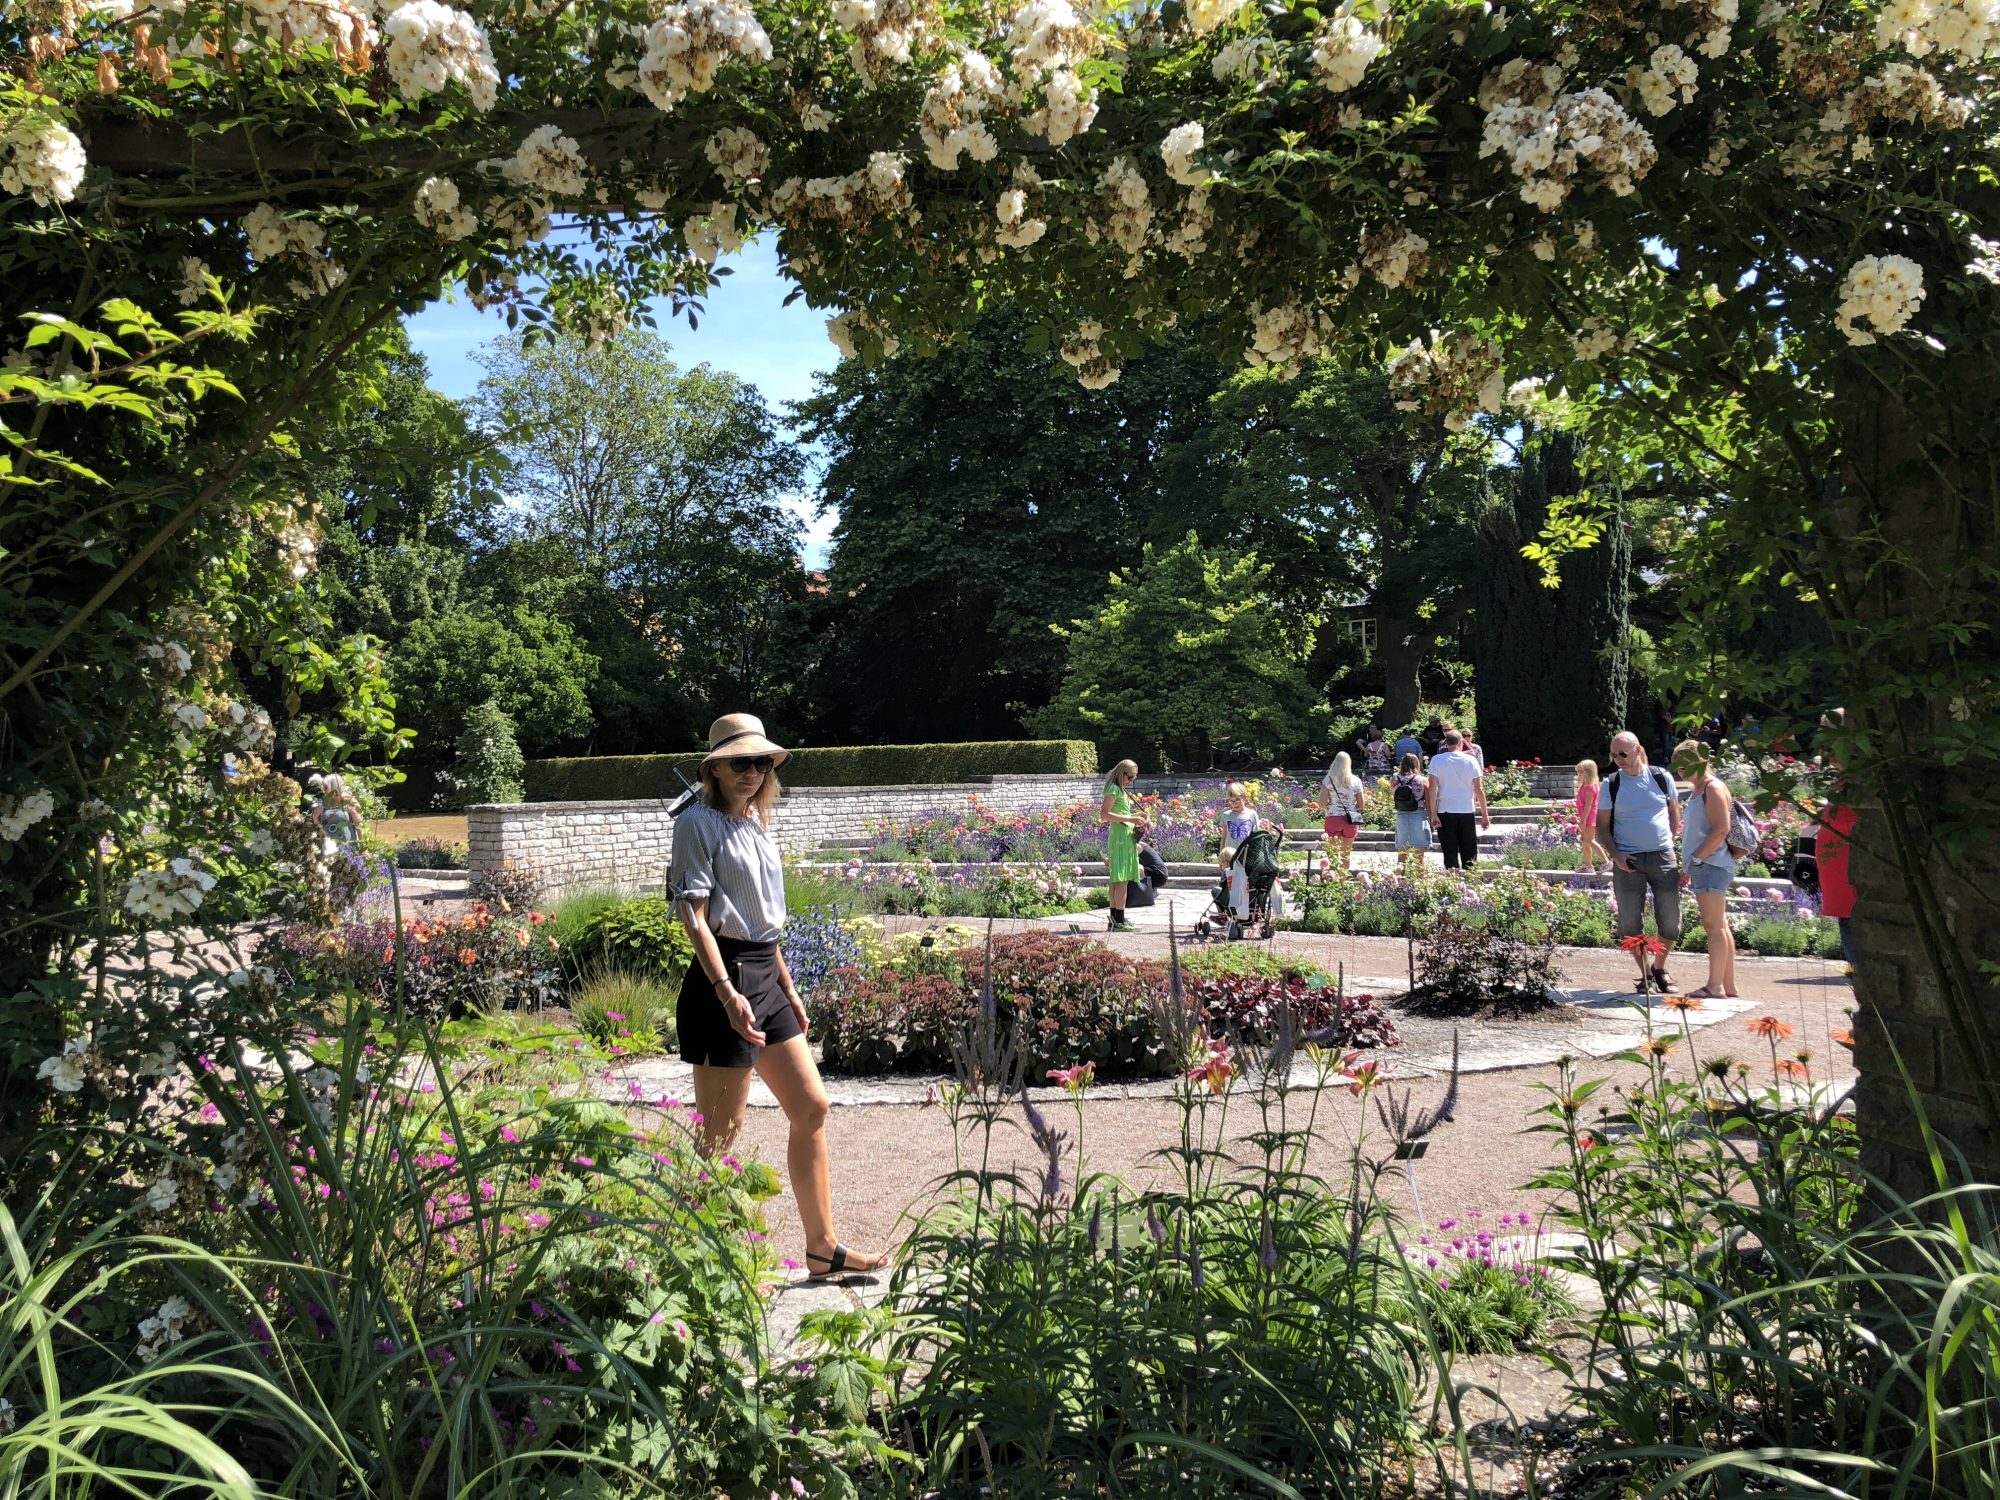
(982, 497)
(1550, 650)
(653, 499)
(1187, 656)
(1349, 500)
(531, 665)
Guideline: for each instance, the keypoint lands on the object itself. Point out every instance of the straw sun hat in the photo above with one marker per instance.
(741, 734)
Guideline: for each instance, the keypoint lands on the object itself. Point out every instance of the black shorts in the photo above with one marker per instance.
(706, 1035)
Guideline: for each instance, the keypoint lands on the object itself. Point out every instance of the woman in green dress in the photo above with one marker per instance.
(1121, 849)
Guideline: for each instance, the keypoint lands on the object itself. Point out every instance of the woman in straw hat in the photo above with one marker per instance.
(739, 1008)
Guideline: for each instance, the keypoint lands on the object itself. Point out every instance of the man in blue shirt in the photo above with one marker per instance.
(1639, 821)
(1409, 744)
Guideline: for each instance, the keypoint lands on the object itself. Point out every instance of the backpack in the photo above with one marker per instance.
(1744, 839)
(1408, 798)
(1660, 779)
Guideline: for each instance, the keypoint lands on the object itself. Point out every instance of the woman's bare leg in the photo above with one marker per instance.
(1721, 942)
(720, 1097)
(789, 1071)
(1714, 909)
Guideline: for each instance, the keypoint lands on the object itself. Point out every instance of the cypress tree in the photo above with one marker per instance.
(1549, 670)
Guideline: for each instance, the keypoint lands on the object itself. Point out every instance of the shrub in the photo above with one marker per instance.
(877, 1021)
(575, 910)
(1511, 782)
(616, 778)
(478, 961)
(512, 889)
(429, 854)
(1485, 1290)
(1549, 845)
(1075, 1002)
(489, 758)
(625, 1013)
(1213, 960)
(1470, 967)
(644, 936)
(818, 944)
(1250, 1007)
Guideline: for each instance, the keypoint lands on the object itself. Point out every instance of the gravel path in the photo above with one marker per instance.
(887, 1157)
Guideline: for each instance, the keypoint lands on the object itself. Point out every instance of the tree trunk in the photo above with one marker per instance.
(1400, 646)
(1914, 544)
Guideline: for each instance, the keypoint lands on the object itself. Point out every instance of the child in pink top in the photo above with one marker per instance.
(1586, 817)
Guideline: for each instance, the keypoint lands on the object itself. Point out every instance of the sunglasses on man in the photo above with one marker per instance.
(742, 765)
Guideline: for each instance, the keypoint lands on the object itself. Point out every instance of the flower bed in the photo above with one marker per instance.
(1251, 1008)
(1071, 1002)
(481, 960)
(1580, 915)
(907, 1006)
(320, 1270)
(1184, 827)
(934, 890)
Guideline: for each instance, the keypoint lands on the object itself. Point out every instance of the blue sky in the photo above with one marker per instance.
(745, 329)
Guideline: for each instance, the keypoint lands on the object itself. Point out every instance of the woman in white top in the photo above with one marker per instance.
(738, 1008)
(1343, 792)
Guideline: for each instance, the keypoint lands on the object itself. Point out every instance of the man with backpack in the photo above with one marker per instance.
(1639, 821)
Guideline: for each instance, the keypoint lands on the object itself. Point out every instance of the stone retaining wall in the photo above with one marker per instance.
(629, 844)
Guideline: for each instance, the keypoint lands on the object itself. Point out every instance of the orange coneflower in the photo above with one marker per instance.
(1681, 1002)
(1770, 1028)
(1844, 1036)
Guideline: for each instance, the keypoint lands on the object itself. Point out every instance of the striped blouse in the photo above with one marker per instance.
(734, 864)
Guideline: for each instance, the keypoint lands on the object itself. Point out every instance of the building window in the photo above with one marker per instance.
(1360, 632)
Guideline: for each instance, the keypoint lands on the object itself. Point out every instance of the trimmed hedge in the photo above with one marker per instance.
(616, 778)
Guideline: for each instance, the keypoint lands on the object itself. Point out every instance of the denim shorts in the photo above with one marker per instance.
(1711, 877)
(1413, 830)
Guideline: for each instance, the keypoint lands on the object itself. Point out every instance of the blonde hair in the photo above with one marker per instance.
(1340, 775)
(1586, 773)
(1237, 789)
(1123, 766)
(333, 787)
(1692, 752)
(761, 804)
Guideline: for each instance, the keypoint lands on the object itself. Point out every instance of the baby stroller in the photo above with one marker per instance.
(1242, 901)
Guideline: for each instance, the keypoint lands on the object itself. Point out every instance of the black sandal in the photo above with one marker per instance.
(1660, 978)
(836, 1263)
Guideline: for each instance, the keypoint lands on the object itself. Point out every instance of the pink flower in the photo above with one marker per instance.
(1215, 1069)
(1076, 1078)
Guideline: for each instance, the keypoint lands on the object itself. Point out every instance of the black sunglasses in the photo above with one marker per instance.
(743, 763)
